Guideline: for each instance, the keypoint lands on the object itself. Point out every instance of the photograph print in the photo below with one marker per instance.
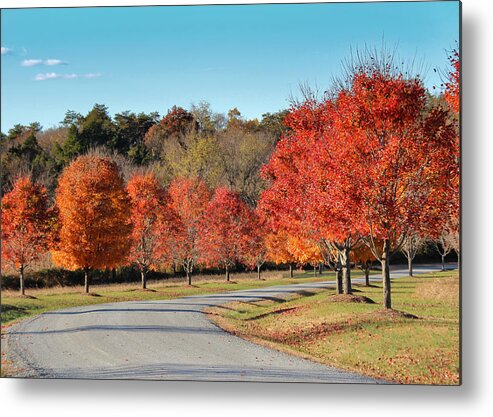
(242, 192)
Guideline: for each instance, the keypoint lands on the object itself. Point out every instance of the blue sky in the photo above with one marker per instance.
(151, 58)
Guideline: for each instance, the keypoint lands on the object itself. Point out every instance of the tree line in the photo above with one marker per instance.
(221, 149)
(368, 169)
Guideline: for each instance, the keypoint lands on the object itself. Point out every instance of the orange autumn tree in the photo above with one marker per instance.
(26, 221)
(305, 251)
(188, 199)
(363, 258)
(451, 231)
(154, 224)
(277, 249)
(94, 213)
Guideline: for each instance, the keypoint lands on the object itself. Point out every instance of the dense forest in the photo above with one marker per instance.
(221, 149)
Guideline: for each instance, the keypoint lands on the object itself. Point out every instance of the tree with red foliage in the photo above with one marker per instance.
(94, 214)
(154, 224)
(26, 222)
(367, 161)
(451, 231)
(301, 195)
(452, 86)
(189, 198)
(178, 122)
(225, 230)
(393, 158)
(256, 247)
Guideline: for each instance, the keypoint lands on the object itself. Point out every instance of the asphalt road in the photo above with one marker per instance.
(161, 340)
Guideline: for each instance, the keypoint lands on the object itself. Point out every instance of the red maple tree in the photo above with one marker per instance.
(452, 86)
(225, 230)
(26, 223)
(188, 199)
(256, 246)
(153, 221)
(366, 162)
(393, 157)
(452, 96)
(302, 193)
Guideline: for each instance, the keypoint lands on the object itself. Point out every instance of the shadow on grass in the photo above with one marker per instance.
(24, 296)
(272, 313)
(304, 293)
(7, 308)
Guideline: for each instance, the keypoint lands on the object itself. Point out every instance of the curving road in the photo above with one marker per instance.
(161, 340)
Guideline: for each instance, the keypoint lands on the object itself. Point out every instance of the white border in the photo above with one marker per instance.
(120, 398)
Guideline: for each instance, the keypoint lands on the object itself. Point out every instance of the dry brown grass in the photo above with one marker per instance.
(439, 289)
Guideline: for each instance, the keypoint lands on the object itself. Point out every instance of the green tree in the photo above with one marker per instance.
(130, 131)
(273, 123)
(97, 128)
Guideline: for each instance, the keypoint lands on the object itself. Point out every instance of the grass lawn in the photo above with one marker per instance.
(15, 307)
(362, 337)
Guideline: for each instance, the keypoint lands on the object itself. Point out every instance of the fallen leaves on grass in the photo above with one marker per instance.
(350, 298)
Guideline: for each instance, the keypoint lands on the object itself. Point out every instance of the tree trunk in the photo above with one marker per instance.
(174, 269)
(320, 267)
(367, 276)
(21, 280)
(291, 270)
(346, 270)
(339, 281)
(443, 262)
(410, 266)
(227, 273)
(113, 274)
(258, 272)
(314, 270)
(386, 274)
(86, 280)
(189, 276)
(143, 276)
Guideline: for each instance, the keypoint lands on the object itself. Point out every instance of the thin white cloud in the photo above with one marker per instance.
(92, 75)
(34, 62)
(55, 75)
(31, 62)
(5, 50)
(47, 76)
(52, 62)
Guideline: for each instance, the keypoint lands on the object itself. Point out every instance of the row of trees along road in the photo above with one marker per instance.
(365, 171)
(371, 163)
